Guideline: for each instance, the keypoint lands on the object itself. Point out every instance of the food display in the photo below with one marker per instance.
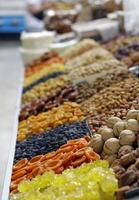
(67, 93)
(69, 155)
(98, 184)
(111, 97)
(117, 142)
(66, 113)
(125, 49)
(40, 73)
(93, 71)
(87, 89)
(45, 88)
(41, 62)
(89, 57)
(50, 140)
(99, 120)
(78, 126)
(79, 49)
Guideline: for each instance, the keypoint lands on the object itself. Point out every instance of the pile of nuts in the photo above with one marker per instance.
(117, 136)
(79, 49)
(128, 54)
(45, 89)
(125, 49)
(99, 120)
(67, 113)
(88, 89)
(118, 143)
(67, 93)
(112, 97)
(95, 70)
(89, 57)
(120, 42)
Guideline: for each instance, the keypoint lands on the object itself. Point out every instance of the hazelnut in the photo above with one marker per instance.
(106, 133)
(110, 158)
(132, 114)
(133, 125)
(96, 143)
(112, 121)
(111, 146)
(127, 137)
(118, 127)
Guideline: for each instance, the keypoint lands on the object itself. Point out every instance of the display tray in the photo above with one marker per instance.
(5, 190)
(7, 180)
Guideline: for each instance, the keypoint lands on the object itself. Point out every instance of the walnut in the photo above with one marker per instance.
(105, 132)
(111, 146)
(127, 137)
(112, 121)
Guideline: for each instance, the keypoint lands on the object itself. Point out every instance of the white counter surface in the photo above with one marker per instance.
(10, 80)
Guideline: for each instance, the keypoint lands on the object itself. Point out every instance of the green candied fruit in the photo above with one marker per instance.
(38, 182)
(92, 181)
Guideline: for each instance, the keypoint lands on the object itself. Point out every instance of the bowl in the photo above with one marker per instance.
(37, 40)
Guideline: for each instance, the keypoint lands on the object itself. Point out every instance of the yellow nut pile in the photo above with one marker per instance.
(79, 49)
(89, 57)
(66, 113)
(96, 70)
(45, 89)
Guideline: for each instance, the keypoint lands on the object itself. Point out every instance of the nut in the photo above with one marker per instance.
(119, 127)
(96, 143)
(111, 146)
(106, 133)
(132, 114)
(127, 137)
(112, 121)
(133, 125)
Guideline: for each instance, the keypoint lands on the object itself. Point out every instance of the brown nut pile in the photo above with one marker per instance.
(67, 113)
(67, 93)
(120, 42)
(128, 54)
(45, 89)
(112, 97)
(126, 168)
(79, 49)
(89, 57)
(118, 135)
(96, 70)
(99, 120)
(88, 89)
